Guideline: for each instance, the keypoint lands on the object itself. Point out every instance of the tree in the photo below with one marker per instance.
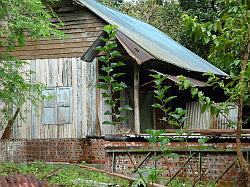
(203, 10)
(229, 36)
(20, 21)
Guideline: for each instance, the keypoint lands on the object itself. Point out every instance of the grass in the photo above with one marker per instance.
(66, 175)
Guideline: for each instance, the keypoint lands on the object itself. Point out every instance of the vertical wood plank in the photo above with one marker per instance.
(74, 97)
(79, 99)
(32, 112)
(60, 72)
(50, 74)
(84, 103)
(91, 98)
(39, 78)
(136, 99)
(97, 123)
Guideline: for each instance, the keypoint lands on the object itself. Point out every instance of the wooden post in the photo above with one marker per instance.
(98, 93)
(136, 99)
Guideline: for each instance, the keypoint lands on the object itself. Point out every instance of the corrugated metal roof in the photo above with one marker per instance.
(155, 42)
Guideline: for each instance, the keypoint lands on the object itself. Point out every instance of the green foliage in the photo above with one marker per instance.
(175, 118)
(188, 183)
(153, 174)
(108, 79)
(203, 140)
(222, 108)
(139, 183)
(66, 175)
(229, 38)
(227, 34)
(21, 20)
(203, 10)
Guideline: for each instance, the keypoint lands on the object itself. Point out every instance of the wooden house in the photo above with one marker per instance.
(69, 68)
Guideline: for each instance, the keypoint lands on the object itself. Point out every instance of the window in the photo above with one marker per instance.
(58, 109)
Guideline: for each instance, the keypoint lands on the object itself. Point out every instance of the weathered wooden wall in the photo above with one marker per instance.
(57, 65)
(66, 73)
(81, 28)
(80, 78)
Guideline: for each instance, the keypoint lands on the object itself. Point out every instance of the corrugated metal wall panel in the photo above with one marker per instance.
(198, 120)
(195, 118)
(222, 120)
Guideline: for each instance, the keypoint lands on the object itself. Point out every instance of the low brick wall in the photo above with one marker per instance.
(13, 151)
(49, 150)
(211, 161)
(113, 156)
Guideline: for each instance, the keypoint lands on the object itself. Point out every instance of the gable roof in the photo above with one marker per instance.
(152, 40)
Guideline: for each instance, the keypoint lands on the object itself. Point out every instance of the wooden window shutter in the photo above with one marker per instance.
(64, 105)
(49, 113)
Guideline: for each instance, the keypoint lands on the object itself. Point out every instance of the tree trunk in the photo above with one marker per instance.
(8, 129)
(242, 162)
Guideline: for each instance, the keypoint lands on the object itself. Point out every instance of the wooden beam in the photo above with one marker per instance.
(145, 84)
(134, 50)
(91, 53)
(136, 99)
(118, 175)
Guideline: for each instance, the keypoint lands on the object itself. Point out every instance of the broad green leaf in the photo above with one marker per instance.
(115, 54)
(169, 99)
(203, 140)
(107, 69)
(156, 105)
(125, 108)
(107, 123)
(107, 113)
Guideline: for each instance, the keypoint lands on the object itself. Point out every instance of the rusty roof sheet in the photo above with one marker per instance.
(135, 51)
(152, 40)
(19, 180)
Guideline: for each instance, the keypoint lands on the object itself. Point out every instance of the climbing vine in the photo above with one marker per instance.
(108, 79)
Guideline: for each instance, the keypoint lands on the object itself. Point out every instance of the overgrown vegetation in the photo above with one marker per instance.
(108, 79)
(229, 36)
(65, 175)
(111, 88)
(222, 35)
